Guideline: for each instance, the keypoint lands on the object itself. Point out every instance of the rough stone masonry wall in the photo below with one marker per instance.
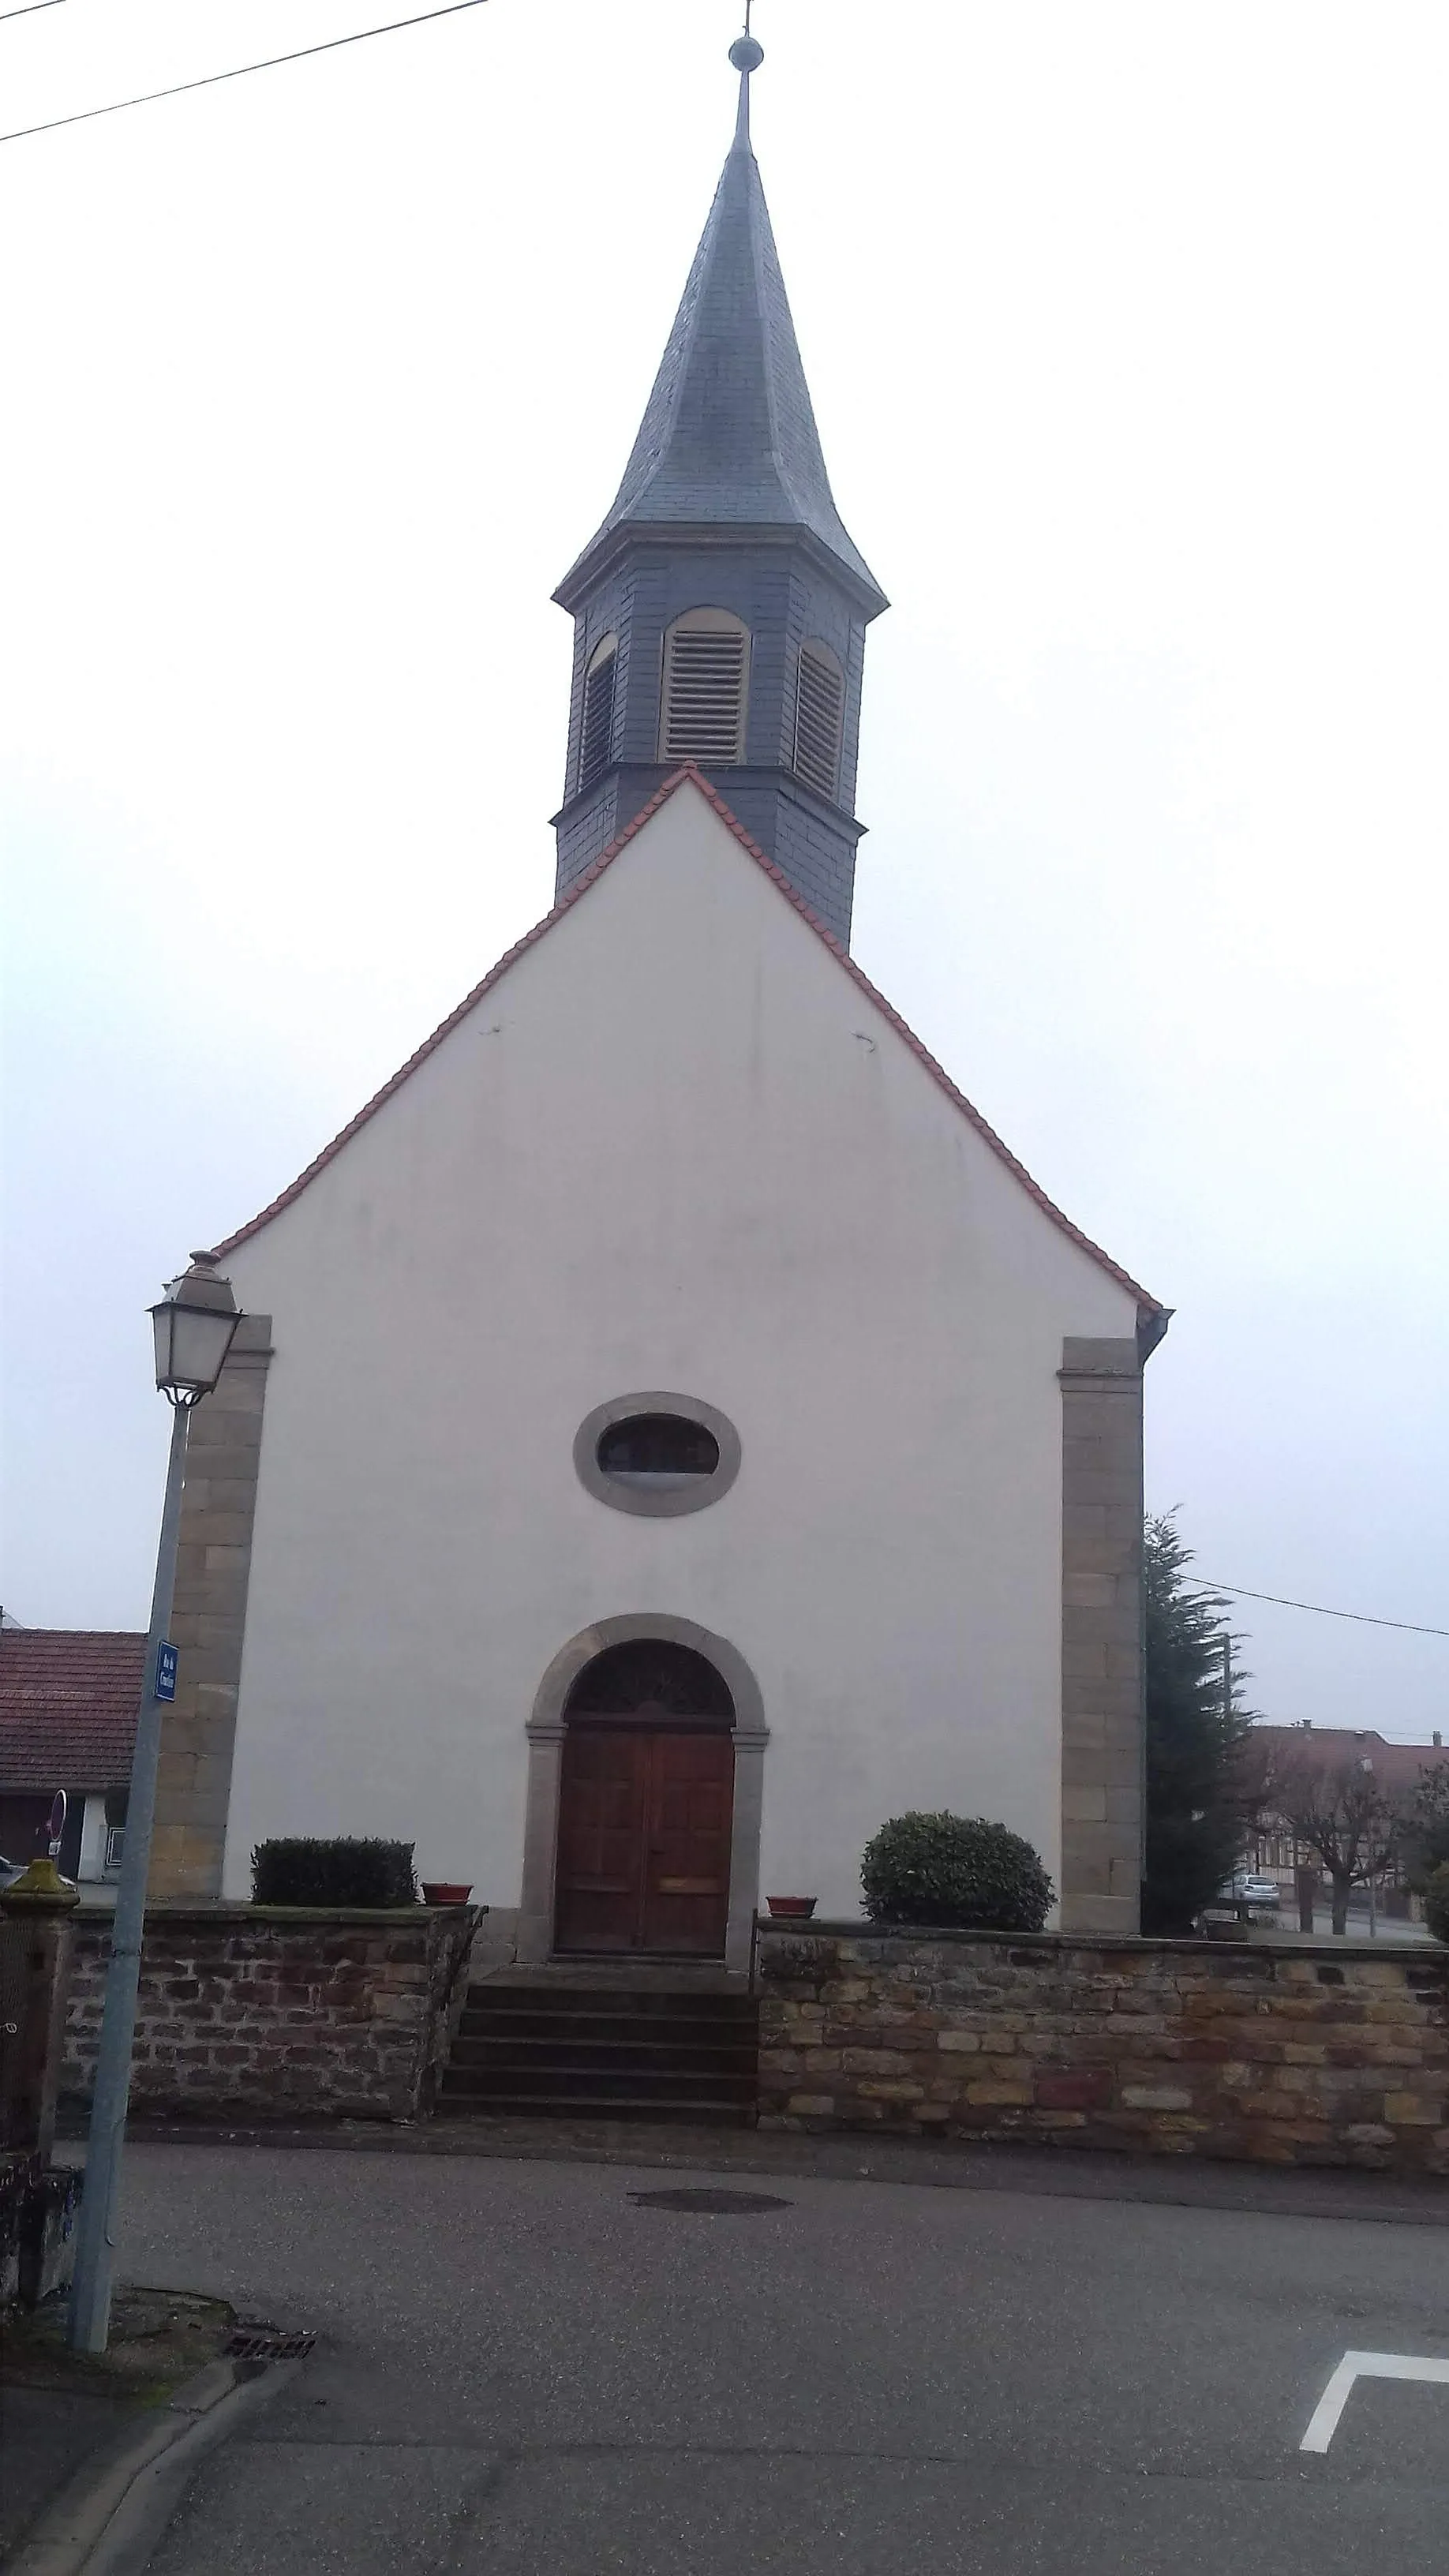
(277, 2013)
(1334, 2055)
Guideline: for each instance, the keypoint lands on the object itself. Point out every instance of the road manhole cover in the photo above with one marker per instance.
(710, 2204)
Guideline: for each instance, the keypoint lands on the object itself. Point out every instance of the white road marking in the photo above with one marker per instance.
(1323, 2423)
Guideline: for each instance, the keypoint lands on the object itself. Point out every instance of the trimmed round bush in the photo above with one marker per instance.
(957, 1870)
(1436, 1901)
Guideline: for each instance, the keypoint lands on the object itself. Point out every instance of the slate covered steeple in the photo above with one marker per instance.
(720, 610)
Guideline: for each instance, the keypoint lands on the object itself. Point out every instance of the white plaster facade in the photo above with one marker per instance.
(675, 1145)
(92, 1862)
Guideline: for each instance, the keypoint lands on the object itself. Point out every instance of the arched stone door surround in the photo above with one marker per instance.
(546, 1730)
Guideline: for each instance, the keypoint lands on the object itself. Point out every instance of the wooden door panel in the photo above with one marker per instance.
(602, 1839)
(691, 1811)
(645, 1822)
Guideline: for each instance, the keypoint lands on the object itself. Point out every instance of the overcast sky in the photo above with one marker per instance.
(1125, 327)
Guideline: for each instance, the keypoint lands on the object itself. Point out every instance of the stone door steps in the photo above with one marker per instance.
(645, 2055)
(604, 2029)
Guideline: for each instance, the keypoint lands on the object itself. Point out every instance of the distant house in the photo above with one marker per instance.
(1397, 1768)
(68, 1699)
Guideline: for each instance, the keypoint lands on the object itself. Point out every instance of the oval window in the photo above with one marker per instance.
(662, 1450)
(660, 1454)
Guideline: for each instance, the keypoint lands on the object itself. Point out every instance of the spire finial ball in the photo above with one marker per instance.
(747, 54)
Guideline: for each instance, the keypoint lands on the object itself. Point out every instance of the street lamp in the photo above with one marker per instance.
(195, 1324)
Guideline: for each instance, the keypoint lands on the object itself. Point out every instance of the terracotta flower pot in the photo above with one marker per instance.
(800, 1907)
(446, 1891)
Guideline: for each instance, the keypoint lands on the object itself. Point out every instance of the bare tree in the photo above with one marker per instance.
(1347, 1818)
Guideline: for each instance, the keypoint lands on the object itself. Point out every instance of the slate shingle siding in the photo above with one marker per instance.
(784, 599)
(728, 436)
(725, 503)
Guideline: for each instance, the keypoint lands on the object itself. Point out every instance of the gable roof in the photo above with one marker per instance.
(1398, 1767)
(1151, 1309)
(68, 1700)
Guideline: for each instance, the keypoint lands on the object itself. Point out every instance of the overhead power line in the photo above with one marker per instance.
(239, 71)
(1361, 1618)
(29, 9)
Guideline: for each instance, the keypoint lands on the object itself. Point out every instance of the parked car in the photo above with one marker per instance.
(10, 1870)
(1246, 1887)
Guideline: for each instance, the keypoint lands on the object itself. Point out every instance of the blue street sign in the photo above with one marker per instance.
(165, 1672)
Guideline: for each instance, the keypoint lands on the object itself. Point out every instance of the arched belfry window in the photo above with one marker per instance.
(819, 719)
(706, 677)
(596, 729)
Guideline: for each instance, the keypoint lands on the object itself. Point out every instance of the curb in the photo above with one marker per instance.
(107, 2523)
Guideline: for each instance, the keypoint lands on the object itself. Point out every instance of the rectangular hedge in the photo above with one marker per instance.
(342, 1871)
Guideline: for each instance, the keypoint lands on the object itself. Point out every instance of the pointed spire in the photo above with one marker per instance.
(728, 437)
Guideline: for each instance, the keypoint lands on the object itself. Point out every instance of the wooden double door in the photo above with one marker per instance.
(645, 1816)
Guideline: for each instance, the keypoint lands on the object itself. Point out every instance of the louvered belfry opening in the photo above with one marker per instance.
(706, 664)
(819, 716)
(596, 732)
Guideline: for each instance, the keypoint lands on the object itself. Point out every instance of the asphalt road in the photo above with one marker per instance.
(520, 2368)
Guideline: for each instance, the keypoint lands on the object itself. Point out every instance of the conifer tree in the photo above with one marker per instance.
(1200, 1793)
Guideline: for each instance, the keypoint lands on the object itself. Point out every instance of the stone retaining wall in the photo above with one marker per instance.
(1336, 2054)
(276, 2012)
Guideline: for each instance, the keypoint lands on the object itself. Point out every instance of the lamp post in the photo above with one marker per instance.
(195, 1325)
(1366, 1765)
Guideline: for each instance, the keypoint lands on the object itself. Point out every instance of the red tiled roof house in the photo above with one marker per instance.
(68, 1700)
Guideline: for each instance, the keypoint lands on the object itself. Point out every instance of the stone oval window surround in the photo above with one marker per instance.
(656, 1455)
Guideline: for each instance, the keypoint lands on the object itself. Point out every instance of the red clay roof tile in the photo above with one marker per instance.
(1398, 1767)
(68, 1699)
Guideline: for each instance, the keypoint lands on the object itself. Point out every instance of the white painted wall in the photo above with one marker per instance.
(92, 1860)
(675, 1147)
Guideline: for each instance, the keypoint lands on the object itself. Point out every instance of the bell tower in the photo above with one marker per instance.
(720, 611)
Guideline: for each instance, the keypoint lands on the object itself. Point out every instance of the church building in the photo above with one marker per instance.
(670, 1433)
